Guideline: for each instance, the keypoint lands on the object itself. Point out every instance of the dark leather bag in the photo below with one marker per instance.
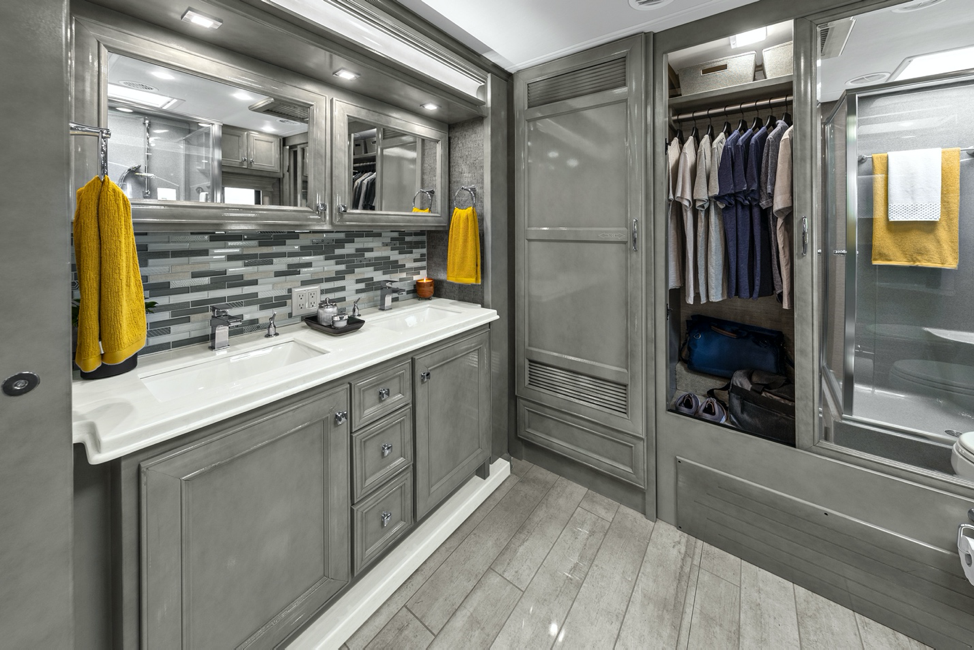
(762, 403)
(722, 347)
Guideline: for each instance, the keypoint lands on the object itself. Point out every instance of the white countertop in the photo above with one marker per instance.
(118, 416)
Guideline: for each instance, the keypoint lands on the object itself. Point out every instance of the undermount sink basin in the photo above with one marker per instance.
(407, 320)
(225, 371)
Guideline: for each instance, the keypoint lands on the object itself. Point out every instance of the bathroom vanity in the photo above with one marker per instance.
(251, 487)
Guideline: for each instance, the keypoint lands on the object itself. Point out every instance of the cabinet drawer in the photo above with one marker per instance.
(380, 451)
(382, 519)
(381, 393)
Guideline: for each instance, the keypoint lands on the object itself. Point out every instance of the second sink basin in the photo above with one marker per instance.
(408, 319)
(226, 371)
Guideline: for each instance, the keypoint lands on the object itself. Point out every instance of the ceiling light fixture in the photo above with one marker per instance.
(646, 5)
(241, 95)
(162, 74)
(925, 65)
(916, 5)
(430, 106)
(116, 91)
(346, 74)
(123, 109)
(867, 79)
(201, 19)
(749, 38)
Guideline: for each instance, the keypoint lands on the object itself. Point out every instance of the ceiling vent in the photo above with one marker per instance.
(916, 5)
(279, 108)
(867, 79)
(833, 36)
(646, 5)
(138, 85)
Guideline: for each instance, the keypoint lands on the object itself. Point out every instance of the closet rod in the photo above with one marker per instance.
(968, 150)
(735, 108)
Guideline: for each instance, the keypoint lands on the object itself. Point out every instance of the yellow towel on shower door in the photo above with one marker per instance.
(918, 243)
(463, 255)
(111, 318)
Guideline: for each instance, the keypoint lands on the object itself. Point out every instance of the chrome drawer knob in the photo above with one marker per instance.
(386, 518)
(386, 449)
(425, 376)
(341, 417)
(383, 394)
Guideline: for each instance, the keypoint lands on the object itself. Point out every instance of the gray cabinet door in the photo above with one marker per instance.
(234, 145)
(246, 532)
(452, 404)
(579, 242)
(265, 152)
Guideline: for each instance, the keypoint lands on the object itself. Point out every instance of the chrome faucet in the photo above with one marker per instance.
(271, 326)
(355, 310)
(386, 292)
(220, 323)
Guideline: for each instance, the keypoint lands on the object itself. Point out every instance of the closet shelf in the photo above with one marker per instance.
(742, 93)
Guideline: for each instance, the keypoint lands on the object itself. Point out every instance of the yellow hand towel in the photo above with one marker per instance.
(415, 209)
(111, 319)
(918, 243)
(463, 254)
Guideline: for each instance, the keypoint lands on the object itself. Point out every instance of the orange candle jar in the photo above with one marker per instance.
(424, 288)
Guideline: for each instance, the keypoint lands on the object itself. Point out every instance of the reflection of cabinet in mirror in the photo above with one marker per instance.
(388, 169)
(251, 150)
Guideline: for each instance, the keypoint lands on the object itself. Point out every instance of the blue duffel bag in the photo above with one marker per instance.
(722, 347)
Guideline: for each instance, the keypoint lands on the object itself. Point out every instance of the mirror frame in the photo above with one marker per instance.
(341, 164)
(94, 41)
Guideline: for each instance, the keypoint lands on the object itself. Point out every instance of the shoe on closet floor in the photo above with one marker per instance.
(712, 411)
(687, 404)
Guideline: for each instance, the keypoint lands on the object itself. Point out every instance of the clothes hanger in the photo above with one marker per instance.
(787, 116)
(742, 126)
(757, 123)
(727, 128)
(710, 126)
(679, 136)
(694, 133)
(772, 120)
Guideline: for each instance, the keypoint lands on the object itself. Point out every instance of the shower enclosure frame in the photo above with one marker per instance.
(843, 397)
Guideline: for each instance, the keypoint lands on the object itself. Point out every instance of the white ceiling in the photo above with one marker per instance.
(202, 98)
(517, 34)
(882, 39)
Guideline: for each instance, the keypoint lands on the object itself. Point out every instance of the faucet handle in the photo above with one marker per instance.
(219, 309)
(389, 284)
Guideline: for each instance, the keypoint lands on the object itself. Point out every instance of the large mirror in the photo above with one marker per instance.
(182, 137)
(387, 168)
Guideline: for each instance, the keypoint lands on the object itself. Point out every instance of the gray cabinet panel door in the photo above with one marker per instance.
(246, 532)
(265, 152)
(452, 417)
(234, 145)
(580, 330)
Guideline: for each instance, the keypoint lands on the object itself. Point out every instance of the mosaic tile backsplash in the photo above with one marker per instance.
(184, 273)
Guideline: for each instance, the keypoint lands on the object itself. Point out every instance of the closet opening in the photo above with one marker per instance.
(730, 232)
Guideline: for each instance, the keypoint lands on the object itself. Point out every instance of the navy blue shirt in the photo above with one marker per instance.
(727, 197)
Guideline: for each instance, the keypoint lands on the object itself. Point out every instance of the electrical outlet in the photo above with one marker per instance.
(304, 300)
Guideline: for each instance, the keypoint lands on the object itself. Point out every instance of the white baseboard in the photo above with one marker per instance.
(348, 613)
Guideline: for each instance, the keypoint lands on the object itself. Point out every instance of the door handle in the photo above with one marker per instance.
(425, 376)
(386, 449)
(804, 236)
(386, 517)
(383, 394)
(341, 417)
(635, 235)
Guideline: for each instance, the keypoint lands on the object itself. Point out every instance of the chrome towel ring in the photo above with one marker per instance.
(471, 190)
(429, 194)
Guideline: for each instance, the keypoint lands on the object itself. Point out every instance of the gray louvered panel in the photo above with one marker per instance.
(579, 388)
(578, 83)
(900, 582)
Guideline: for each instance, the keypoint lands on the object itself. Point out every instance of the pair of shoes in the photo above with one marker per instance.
(710, 410)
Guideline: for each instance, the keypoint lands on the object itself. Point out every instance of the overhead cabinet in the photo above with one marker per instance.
(251, 150)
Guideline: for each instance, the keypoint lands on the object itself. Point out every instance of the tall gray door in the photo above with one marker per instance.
(35, 331)
(580, 243)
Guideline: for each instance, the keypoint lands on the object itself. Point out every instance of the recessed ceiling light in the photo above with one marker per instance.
(748, 38)
(346, 74)
(162, 74)
(925, 65)
(646, 5)
(269, 129)
(201, 19)
(430, 106)
(241, 95)
(160, 130)
(867, 79)
(916, 5)
(154, 100)
(123, 109)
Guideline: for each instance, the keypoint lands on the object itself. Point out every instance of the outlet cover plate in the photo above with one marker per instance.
(304, 300)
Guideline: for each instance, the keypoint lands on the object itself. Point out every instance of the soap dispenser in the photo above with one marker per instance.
(326, 312)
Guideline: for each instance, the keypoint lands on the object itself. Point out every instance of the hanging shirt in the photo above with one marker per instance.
(769, 168)
(674, 232)
(684, 196)
(716, 247)
(761, 282)
(727, 200)
(742, 221)
(782, 211)
(701, 204)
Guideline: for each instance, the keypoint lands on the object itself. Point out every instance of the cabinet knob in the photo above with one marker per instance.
(341, 417)
(386, 449)
(383, 394)
(386, 518)
(425, 376)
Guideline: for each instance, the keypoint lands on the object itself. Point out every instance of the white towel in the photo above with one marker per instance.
(914, 185)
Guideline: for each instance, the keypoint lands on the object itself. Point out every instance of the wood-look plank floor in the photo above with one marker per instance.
(543, 563)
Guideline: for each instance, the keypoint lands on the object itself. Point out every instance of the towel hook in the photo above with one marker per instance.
(103, 136)
(429, 194)
(471, 190)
